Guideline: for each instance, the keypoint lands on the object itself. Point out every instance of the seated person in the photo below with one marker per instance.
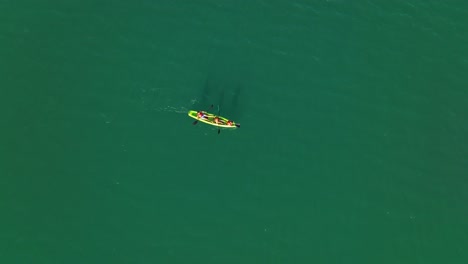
(201, 115)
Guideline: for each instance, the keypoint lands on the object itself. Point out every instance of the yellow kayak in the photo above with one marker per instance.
(211, 119)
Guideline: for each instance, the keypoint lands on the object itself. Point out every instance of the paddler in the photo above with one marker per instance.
(200, 114)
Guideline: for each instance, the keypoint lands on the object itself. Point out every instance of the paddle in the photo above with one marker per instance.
(196, 121)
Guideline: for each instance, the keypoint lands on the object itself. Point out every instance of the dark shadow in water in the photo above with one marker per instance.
(227, 83)
(223, 92)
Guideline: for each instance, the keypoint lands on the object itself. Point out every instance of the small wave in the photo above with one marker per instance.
(171, 109)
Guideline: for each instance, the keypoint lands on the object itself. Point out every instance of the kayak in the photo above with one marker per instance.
(210, 119)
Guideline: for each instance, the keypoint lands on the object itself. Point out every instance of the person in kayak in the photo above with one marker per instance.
(201, 115)
(229, 123)
(216, 120)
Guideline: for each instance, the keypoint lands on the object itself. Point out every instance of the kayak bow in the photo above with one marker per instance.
(209, 119)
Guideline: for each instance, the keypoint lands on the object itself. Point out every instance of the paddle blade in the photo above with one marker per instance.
(219, 131)
(237, 125)
(195, 122)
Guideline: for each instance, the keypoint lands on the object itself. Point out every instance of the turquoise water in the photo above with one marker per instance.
(353, 145)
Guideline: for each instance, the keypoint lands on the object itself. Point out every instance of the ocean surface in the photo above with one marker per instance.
(353, 146)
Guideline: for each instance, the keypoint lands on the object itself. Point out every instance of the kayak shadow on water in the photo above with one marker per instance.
(224, 94)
